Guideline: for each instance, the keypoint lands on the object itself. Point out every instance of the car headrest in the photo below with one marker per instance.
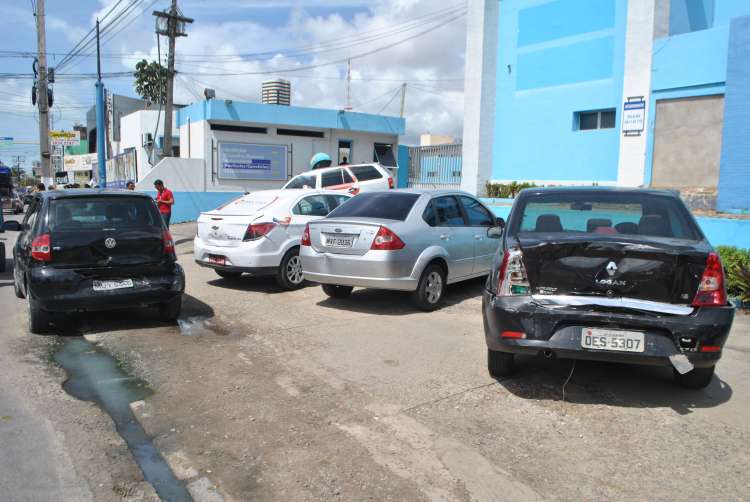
(627, 227)
(595, 223)
(548, 223)
(654, 225)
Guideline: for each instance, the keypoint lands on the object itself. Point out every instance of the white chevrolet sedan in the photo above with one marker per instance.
(259, 233)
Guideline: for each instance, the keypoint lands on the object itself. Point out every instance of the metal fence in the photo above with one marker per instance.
(435, 167)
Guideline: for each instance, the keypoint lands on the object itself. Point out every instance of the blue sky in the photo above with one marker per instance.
(223, 29)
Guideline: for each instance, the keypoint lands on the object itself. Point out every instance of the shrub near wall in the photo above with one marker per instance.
(737, 264)
(505, 191)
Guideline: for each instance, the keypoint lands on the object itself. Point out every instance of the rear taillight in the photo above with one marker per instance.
(41, 248)
(386, 240)
(257, 230)
(712, 291)
(390, 181)
(168, 242)
(305, 241)
(512, 278)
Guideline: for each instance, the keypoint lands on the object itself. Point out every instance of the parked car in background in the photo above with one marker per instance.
(621, 275)
(82, 250)
(12, 201)
(259, 233)
(354, 179)
(411, 240)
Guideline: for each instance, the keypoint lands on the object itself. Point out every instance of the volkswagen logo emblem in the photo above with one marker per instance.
(109, 243)
(611, 268)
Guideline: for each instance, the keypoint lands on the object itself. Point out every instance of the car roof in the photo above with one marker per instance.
(424, 191)
(82, 192)
(596, 189)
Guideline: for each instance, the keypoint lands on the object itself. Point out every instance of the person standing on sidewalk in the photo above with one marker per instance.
(165, 200)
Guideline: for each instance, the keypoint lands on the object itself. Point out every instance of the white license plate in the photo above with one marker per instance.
(112, 284)
(339, 242)
(612, 339)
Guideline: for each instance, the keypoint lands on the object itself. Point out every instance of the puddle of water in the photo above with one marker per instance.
(94, 375)
(201, 325)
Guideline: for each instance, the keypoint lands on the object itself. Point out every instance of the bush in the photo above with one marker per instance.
(737, 264)
(505, 191)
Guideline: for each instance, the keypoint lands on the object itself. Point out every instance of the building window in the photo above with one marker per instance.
(686, 16)
(383, 154)
(345, 152)
(601, 119)
(300, 132)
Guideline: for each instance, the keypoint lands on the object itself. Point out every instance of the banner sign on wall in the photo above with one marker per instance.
(245, 161)
(634, 116)
(64, 138)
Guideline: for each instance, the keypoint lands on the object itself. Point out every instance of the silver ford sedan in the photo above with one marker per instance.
(410, 240)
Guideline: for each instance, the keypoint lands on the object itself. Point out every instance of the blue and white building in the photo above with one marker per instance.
(227, 148)
(613, 92)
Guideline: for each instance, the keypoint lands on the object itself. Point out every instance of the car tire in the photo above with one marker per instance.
(697, 378)
(170, 311)
(39, 319)
(431, 289)
(228, 274)
(335, 291)
(17, 287)
(289, 276)
(500, 364)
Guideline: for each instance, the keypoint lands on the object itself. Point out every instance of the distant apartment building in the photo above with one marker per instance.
(276, 92)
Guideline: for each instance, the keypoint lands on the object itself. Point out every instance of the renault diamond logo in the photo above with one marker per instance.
(214, 227)
(109, 243)
(611, 268)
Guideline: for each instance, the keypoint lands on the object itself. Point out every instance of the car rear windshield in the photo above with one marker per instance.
(302, 181)
(386, 206)
(629, 214)
(92, 213)
(365, 173)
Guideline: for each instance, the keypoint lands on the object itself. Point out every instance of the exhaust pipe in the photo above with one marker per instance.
(548, 354)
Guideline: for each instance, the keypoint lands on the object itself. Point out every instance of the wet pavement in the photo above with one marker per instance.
(94, 375)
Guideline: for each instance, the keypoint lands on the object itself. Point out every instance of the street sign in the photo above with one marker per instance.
(64, 138)
(6, 141)
(634, 116)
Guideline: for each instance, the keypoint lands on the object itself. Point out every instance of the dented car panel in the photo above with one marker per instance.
(577, 262)
(559, 329)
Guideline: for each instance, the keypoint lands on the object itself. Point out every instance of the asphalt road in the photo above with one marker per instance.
(270, 395)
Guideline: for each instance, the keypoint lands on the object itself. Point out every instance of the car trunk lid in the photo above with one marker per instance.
(661, 270)
(226, 225)
(349, 237)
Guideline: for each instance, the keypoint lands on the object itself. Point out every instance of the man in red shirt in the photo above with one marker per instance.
(165, 200)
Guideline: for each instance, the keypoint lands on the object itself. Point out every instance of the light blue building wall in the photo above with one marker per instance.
(555, 60)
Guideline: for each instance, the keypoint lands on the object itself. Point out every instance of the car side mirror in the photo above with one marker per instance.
(12, 226)
(495, 232)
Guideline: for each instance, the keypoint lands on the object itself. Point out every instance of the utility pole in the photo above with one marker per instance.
(403, 98)
(175, 27)
(348, 107)
(100, 145)
(44, 153)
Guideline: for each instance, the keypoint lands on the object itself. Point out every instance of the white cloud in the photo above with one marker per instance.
(432, 103)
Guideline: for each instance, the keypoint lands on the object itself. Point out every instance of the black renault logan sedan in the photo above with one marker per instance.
(83, 250)
(622, 275)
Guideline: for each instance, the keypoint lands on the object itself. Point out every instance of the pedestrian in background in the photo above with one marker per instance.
(165, 200)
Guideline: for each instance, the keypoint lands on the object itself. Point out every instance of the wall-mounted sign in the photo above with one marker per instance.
(245, 161)
(64, 138)
(84, 162)
(634, 116)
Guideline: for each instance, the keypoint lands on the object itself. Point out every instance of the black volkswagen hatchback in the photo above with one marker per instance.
(622, 275)
(83, 250)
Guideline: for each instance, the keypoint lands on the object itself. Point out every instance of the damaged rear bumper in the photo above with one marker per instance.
(558, 328)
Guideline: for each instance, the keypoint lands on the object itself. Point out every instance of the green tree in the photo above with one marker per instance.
(151, 81)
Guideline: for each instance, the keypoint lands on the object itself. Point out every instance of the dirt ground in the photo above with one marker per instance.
(293, 396)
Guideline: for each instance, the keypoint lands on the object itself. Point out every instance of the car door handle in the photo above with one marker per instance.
(478, 237)
(445, 237)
